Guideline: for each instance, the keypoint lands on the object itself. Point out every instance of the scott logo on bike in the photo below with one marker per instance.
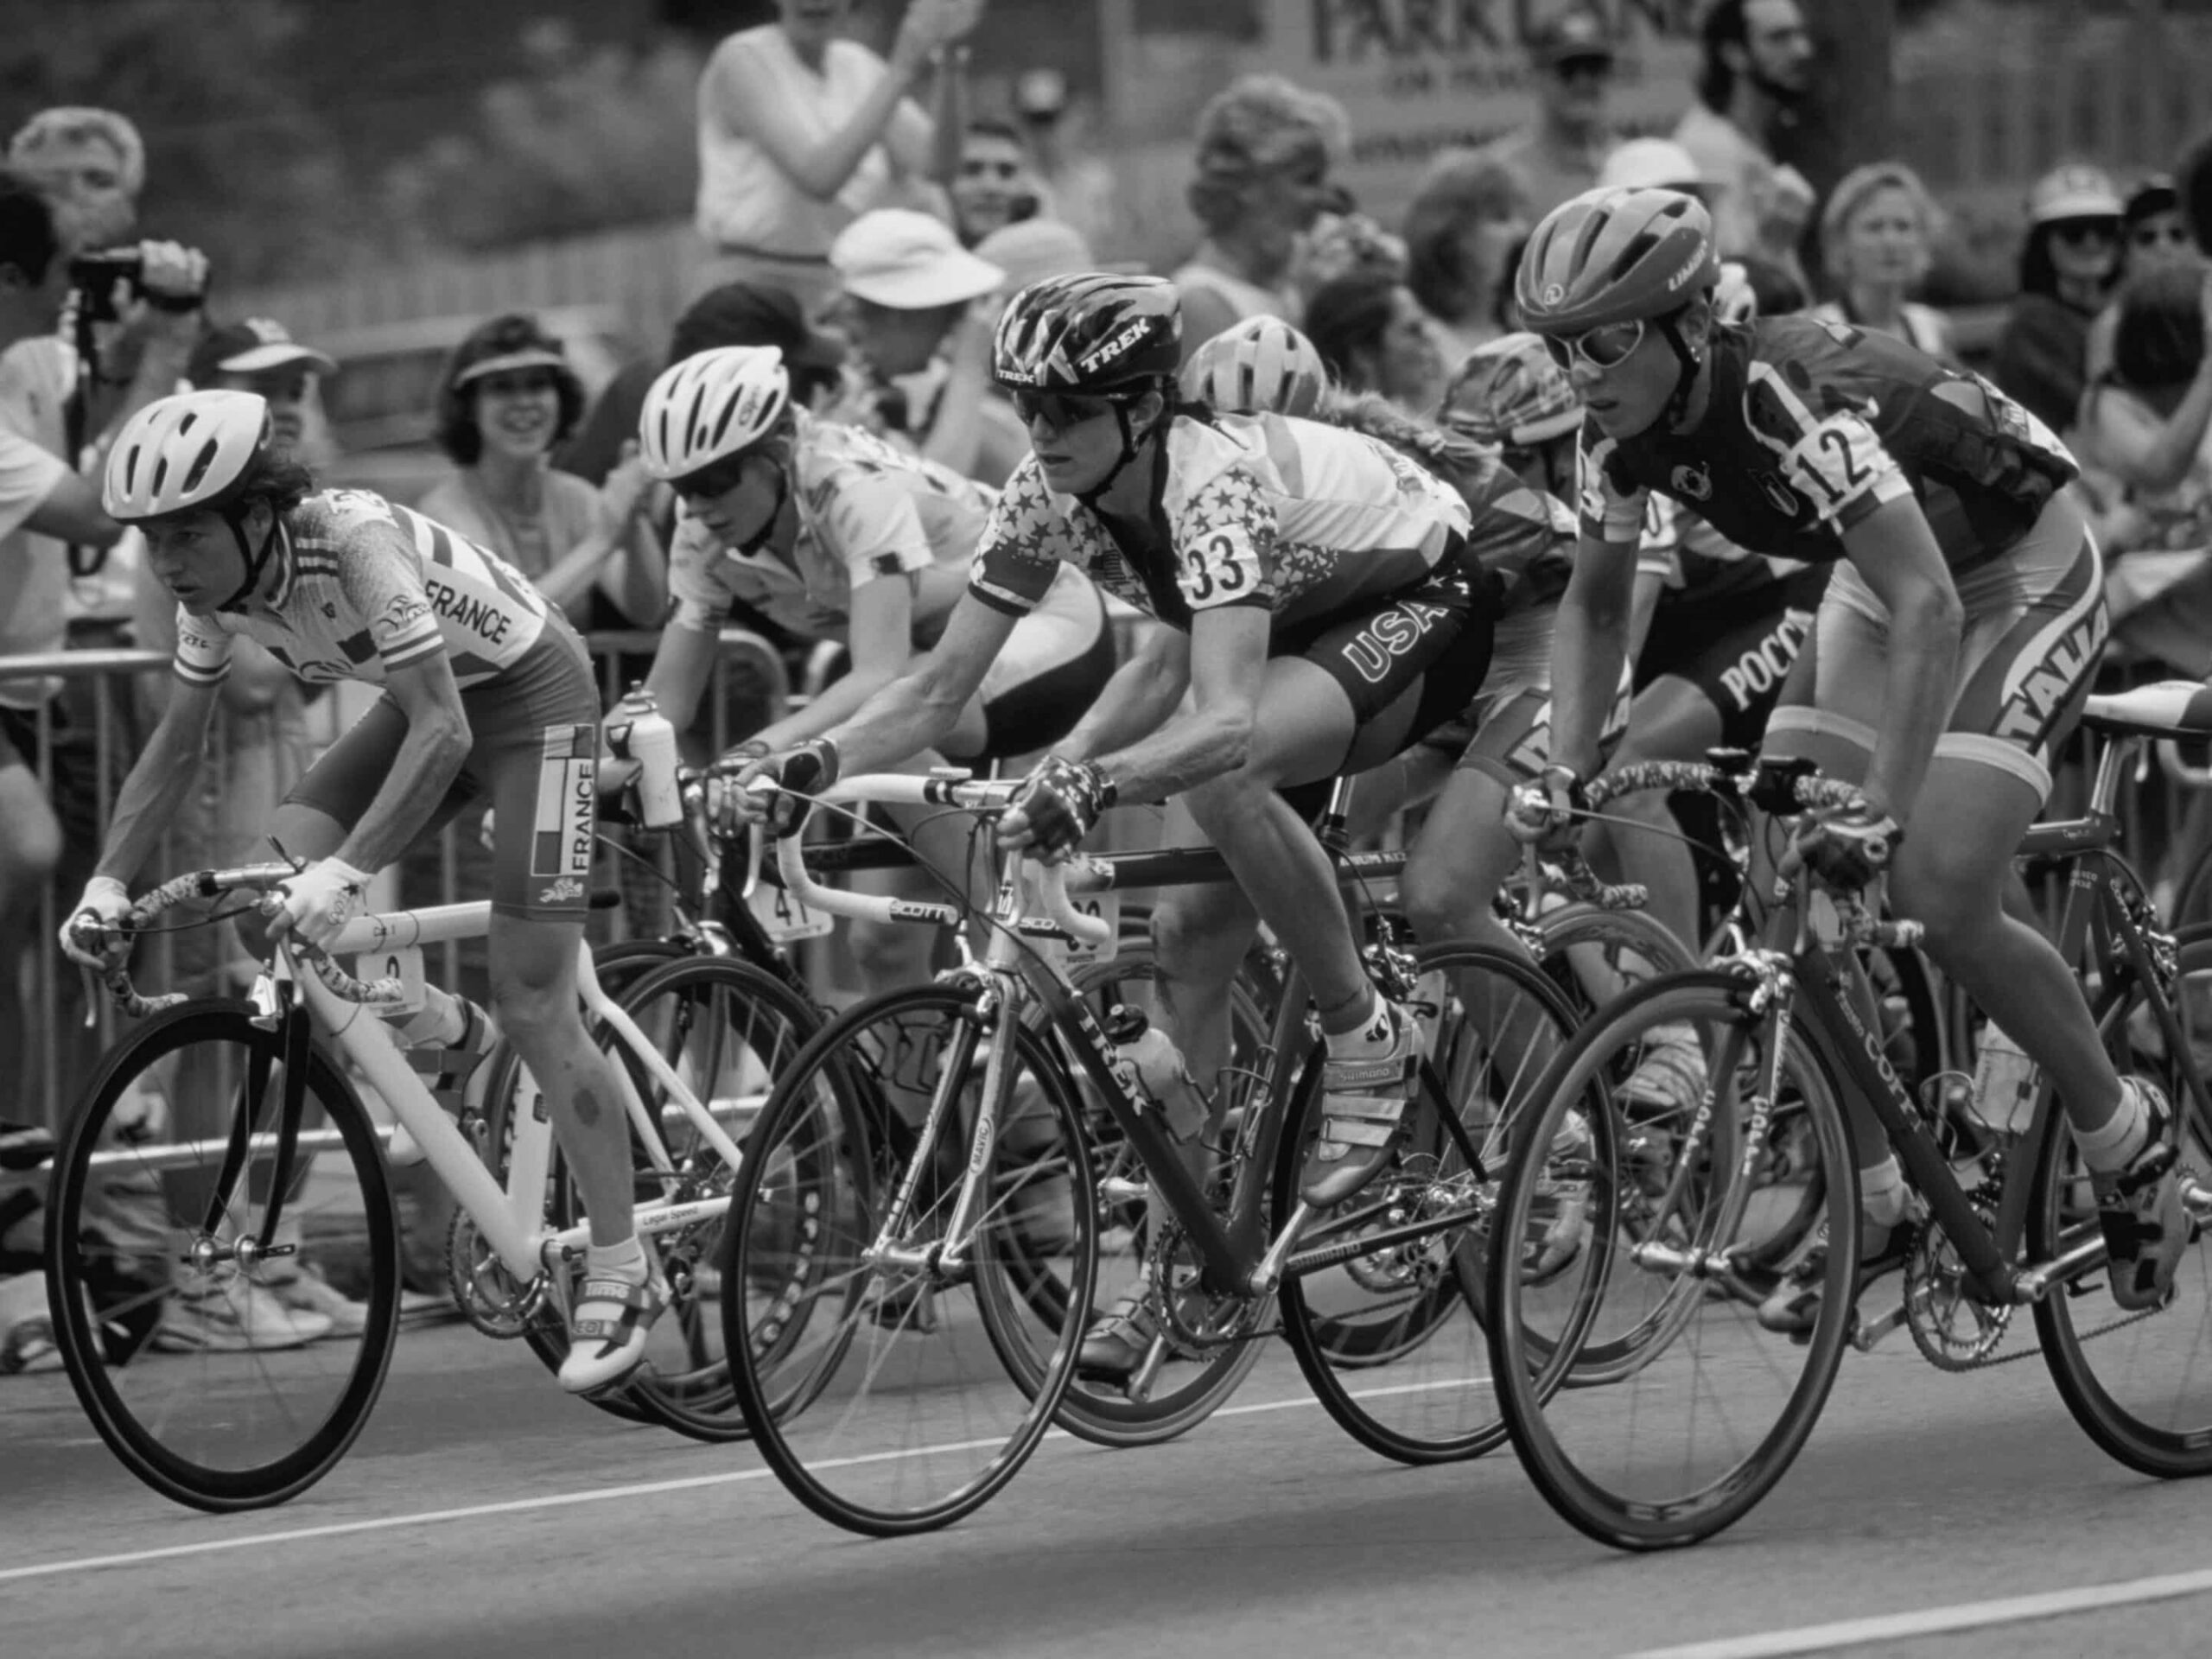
(1391, 634)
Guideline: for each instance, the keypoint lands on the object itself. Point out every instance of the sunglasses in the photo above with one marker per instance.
(2149, 236)
(2080, 233)
(1606, 346)
(1058, 410)
(711, 482)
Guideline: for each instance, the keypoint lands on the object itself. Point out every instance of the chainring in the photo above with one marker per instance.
(1194, 1317)
(1952, 1331)
(487, 1294)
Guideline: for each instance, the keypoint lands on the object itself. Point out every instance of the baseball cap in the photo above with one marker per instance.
(2156, 193)
(752, 314)
(1651, 164)
(1031, 250)
(249, 347)
(1570, 36)
(909, 261)
(2076, 191)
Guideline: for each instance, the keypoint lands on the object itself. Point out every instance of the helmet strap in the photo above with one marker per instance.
(1685, 379)
(257, 560)
(767, 530)
(1131, 439)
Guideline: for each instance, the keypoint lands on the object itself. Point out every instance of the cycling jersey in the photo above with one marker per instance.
(1811, 427)
(1310, 521)
(865, 511)
(364, 586)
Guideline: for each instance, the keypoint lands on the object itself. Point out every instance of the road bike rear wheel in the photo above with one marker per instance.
(724, 1027)
(1696, 1409)
(2139, 1383)
(895, 1377)
(1392, 1340)
(188, 1345)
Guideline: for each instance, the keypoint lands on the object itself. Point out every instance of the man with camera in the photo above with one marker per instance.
(47, 509)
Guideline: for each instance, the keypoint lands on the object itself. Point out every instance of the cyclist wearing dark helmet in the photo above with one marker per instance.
(1949, 655)
(1320, 612)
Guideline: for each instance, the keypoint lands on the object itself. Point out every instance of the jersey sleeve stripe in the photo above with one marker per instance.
(1005, 601)
(406, 653)
(201, 673)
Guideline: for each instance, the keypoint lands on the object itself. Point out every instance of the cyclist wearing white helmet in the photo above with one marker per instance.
(487, 696)
(833, 534)
(1259, 365)
(1949, 656)
(1321, 613)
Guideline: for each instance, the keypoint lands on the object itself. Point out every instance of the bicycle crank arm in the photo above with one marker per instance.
(2033, 1284)
(1268, 1274)
(1866, 1332)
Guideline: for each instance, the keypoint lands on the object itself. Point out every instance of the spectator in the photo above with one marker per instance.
(2067, 267)
(1078, 187)
(800, 131)
(1033, 249)
(1558, 154)
(1463, 231)
(995, 186)
(1877, 237)
(261, 356)
(92, 163)
(2144, 424)
(509, 396)
(2153, 232)
(1374, 337)
(912, 313)
(45, 509)
(1759, 62)
(1264, 151)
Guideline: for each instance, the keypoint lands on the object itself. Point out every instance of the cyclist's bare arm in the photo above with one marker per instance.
(1896, 553)
(429, 759)
(1137, 701)
(683, 663)
(915, 713)
(160, 778)
(1227, 651)
(881, 645)
(1589, 647)
(1650, 585)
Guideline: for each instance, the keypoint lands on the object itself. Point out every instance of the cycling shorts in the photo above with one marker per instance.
(532, 758)
(1512, 737)
(1738, 654)
(2035, 626)
(1436, 634)
(1054, 665)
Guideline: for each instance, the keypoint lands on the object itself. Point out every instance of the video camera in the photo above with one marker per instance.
(96, 277)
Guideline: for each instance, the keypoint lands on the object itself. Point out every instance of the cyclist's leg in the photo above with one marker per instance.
(1673, 719)
(1463, 852)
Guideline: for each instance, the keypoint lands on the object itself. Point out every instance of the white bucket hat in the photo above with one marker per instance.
(909, 261)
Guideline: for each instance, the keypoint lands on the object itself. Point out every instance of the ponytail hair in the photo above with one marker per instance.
(1453, 456)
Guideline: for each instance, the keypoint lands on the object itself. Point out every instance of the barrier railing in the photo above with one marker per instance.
(53, 1027)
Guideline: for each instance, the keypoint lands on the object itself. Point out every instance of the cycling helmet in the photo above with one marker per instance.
(1510, 391)
(1259, 366)
(1735, 300)
(1614, 256)
(712, 405)
(184, 453)
(1091, 333)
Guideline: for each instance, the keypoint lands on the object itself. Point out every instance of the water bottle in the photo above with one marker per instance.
(639, 731)
(1162, 1076)
(2004, 1085)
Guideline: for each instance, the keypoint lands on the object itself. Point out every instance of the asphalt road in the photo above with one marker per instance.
(482, 1513)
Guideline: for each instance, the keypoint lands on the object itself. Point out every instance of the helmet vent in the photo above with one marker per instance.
(201, 463)
(1639, 246)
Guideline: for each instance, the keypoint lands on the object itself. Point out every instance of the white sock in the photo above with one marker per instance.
(1370, 1038)
(2115, 1142)
(623, 1260)
(441, 1020)
(1882, 1193)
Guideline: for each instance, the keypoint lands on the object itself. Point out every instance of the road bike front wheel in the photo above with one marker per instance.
(191, 1340)
(898, 1366)
(2138, 1382)
(1698, 1407)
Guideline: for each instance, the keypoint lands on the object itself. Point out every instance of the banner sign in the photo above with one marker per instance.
(1419, 76)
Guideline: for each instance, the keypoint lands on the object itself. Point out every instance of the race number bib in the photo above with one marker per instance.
(783, 917)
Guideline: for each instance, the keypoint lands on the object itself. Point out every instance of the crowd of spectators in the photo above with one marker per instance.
(865, 216)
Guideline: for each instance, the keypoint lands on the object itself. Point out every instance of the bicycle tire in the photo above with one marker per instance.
(2118, 1377)
(121, 1263)
(823, 1167)
(1558, 1431)
(1429, 1311)
(684, 1382)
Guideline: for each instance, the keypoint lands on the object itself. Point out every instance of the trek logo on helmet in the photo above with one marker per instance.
(1099, 356)
(1014, 374)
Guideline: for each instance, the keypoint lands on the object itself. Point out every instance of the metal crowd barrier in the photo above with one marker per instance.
(65, 1025)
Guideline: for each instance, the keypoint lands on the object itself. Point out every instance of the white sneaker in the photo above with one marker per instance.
(232, 1315)
(308, 1291)
(1669, 1080)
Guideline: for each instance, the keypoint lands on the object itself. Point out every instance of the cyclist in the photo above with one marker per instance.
(488, 693)
(1321, 614)
(833, 534)
(1949, 655)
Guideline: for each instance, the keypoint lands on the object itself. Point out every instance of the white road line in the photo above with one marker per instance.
(600, 1494)
(1937, 1621)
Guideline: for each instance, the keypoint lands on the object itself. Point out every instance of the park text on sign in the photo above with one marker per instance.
(1420, 76)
